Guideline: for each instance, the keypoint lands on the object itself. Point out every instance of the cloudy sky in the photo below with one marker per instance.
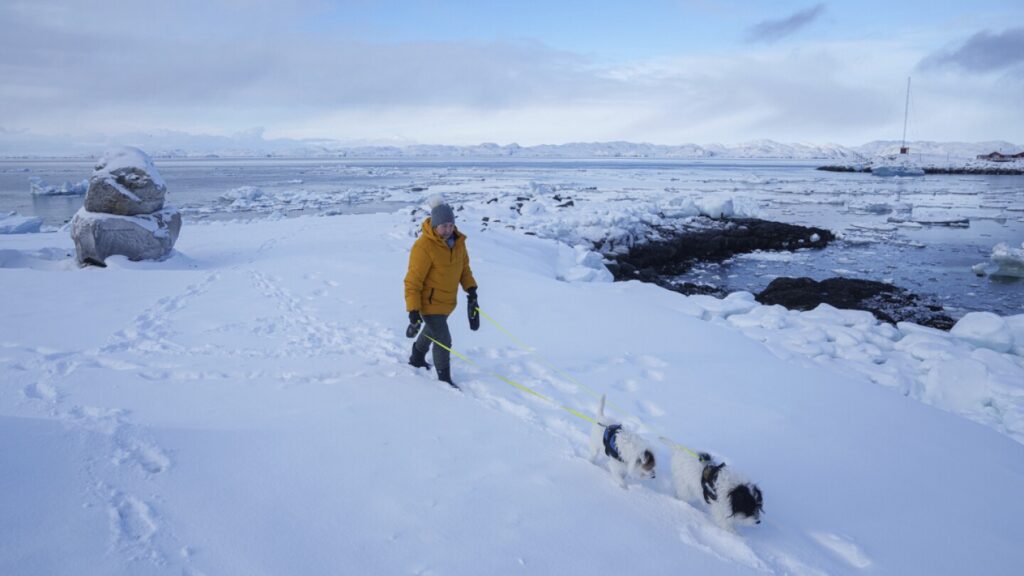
(525, 71)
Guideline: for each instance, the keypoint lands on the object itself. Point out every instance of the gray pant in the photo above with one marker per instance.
(435, 326)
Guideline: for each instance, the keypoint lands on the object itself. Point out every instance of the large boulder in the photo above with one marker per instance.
(144, 237)
(125, 182)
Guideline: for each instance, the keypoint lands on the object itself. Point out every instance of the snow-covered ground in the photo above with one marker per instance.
(245, 408)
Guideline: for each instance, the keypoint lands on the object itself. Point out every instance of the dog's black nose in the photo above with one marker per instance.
(758, 522)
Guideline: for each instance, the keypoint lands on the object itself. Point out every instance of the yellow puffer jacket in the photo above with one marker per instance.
(435, 272)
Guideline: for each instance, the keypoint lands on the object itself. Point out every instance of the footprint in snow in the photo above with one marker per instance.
(711, 539)
(145, 455)
(654, 375)
(627, 385)
(844, 548)
(41, 391)
(133, 525)
(650, 408)
(652, 362)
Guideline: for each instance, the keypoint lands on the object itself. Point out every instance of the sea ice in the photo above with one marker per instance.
(1009, 261)
(13, 223)
(40, 188)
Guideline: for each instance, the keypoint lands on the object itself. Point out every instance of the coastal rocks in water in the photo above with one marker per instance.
(124, 211)
(888, 303)
(971, 170)
(145, 237)
(722, 240)
(125, 182)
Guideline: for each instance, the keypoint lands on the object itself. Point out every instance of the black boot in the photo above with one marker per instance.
(445, 375)
(418, 359)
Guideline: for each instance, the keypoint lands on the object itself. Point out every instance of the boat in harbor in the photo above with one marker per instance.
(900, 164)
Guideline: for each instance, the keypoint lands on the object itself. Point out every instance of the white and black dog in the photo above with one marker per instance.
(627, 452)
(732, 500)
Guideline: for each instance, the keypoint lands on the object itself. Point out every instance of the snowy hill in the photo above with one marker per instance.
(943, 150)
(245, 408)
(252, 144)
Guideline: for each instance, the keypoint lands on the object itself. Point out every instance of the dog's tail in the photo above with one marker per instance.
(600, 411)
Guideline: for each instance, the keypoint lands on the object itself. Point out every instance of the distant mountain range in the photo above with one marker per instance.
(253, 145)
(760, 149)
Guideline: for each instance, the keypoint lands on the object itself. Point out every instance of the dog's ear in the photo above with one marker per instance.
(745, 500)
(647, 461)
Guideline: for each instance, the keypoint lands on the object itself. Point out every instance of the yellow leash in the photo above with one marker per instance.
(517, 385)
(547, 364)
(664, 439)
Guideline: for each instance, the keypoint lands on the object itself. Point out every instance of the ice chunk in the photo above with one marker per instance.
(984, 330)
(12, 223)
(40, 188)
(1009, 261)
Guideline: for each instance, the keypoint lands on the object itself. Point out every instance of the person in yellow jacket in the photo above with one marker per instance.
(438, 264)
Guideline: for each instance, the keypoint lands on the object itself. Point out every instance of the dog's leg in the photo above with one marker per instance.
(618, 471)
(719, 513)
(595, 447)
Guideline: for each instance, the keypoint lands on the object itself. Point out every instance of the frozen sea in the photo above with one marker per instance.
(923, 234)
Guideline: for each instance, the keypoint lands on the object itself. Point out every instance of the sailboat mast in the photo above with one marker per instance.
(906, 111)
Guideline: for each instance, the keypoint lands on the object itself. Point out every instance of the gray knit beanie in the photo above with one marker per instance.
(441, 214)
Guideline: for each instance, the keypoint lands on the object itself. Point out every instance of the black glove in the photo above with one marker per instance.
(474, 314)
(414, 324)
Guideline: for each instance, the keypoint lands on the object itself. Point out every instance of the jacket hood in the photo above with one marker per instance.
(428, 231)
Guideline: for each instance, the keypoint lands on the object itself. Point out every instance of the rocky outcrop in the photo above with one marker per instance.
(723, 240)
(888, 303)
(124, 211)
(975, 170)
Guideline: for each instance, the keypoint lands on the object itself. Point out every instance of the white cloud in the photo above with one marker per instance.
(191, 67)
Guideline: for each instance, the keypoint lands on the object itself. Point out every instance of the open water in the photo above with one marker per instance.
(923, 234)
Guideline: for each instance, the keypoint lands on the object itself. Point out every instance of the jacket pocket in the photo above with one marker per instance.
(442, 296)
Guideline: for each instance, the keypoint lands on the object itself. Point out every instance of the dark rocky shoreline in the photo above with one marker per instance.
(886, 302)
(661, 261)
(993, 171)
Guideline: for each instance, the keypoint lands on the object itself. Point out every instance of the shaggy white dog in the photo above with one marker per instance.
(733, 501)
(627, 453)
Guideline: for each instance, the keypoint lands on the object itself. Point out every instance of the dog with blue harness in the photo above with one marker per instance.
(628, 454)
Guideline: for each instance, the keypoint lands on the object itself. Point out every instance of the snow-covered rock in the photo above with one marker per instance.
(125, 182)
(142, 237)
(124, 211)
(13, 223)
